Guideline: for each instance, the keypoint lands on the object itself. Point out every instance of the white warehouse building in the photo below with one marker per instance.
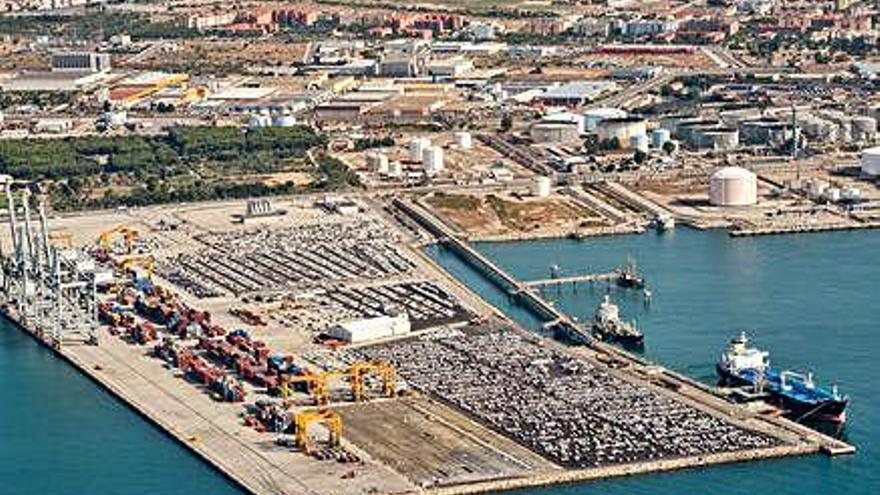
(367, 329)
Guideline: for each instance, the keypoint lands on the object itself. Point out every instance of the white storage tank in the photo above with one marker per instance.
(432, 159)
(594, 116)
(659, 137)
(639, 142)
(116, 118)
(621, 129)
(871, 161)
(864, 128)
(259, 121)
(850, 194)
(378, 162)
(417, 147)
(733, 186)
(542, 186)
(284, 121)
(832, 194)
(395, 169)
(463, 140)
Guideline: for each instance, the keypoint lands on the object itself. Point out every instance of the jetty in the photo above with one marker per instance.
(574, 280)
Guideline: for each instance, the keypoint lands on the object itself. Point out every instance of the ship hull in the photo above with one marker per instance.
(631, 341)
(827, 411)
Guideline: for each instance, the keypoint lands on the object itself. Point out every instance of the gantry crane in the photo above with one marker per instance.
(330, 419)
(105, 240)
(358, 372)
(316, 385)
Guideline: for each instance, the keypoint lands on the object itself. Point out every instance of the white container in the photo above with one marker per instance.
(463, 140)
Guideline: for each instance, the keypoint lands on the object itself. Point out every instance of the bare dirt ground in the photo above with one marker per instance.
(493, 215)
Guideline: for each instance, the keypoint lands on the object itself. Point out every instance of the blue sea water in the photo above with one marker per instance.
(61, 434)
(810, 300)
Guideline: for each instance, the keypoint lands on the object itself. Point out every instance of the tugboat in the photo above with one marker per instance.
(628, 277)
(608, 326)
(795, 392)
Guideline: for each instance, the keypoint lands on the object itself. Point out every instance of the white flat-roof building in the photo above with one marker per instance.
(367, 329)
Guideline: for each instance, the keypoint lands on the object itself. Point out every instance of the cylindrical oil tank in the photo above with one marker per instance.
(721, 139)
(432, 159)
(541, 187)
(621, 129)
(259, 121)
(733, 186)
(871, 161)
(417, 147)
(832, 194)
(864, 128)
(659, 137)
(639, 142)
(378, 162)
(594, 116)
(284, 121)
(463, 140)
(850, 194)
(395, 169)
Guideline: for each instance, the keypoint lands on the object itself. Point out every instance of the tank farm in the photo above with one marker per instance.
(320, 351)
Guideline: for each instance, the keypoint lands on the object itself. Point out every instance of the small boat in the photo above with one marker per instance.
(796, 393)
(663, 222)
(607, 325)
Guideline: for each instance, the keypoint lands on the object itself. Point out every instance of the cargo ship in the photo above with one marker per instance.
(797, 393)
(607, 325)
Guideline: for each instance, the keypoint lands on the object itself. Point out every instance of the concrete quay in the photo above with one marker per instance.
(213, 430)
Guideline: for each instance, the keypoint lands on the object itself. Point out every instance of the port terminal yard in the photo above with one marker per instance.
(484, 405)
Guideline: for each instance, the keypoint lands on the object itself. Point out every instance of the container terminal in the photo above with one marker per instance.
(320, 351)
